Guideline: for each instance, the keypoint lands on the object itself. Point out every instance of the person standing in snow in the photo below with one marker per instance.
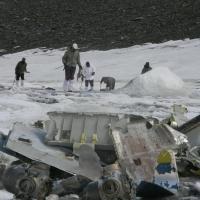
(146, 68)
(88, 73)
(70, 59)
(20, 69)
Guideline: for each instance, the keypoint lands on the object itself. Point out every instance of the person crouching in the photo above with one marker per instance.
(88, 73)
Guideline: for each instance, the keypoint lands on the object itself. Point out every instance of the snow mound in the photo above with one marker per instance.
(160, 81)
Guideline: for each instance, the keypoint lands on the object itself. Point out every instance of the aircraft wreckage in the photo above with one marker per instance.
(97, 156)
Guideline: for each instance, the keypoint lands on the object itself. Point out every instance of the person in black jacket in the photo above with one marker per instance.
(20, 69)
(146, 68)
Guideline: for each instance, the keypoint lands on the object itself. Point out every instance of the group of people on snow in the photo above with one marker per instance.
(70, 60)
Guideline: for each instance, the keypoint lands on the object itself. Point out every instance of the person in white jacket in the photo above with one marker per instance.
(88, 73)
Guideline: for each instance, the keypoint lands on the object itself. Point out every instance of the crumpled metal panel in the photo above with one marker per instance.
(29, 142)
(138, 150)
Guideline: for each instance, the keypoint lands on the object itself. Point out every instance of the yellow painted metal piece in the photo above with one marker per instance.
(83, 138)
(94, 138)
(164, 157)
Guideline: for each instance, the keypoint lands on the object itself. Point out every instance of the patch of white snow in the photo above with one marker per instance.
(160, 81)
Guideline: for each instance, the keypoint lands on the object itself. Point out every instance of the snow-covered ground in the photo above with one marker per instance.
(175, 78)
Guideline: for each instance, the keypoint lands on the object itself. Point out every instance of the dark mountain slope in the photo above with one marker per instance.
(95, 24)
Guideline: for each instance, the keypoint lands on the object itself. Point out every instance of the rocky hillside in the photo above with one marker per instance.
(95, 24)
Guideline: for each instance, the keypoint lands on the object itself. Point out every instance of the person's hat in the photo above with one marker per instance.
(87, 64)
(75, 46)
(23, 59)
